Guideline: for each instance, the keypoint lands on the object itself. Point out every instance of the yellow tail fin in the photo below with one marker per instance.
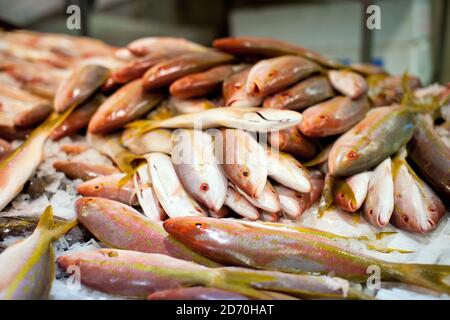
(142, 126)
(51, 229)
(431, 276)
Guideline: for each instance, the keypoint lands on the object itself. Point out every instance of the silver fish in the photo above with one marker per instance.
(292, 203)
(252, 119)
(159, 140)
(198, 169)
(379, 203)
(348, 83)
(285, 169)
(146, 195)
(416, 207)
(239, 204)
(243, 160)
(168, 188)
(268, 201)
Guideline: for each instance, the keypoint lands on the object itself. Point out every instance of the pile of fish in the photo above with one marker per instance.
(217, 153)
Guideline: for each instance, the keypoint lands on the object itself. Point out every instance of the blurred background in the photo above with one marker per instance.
(414, 34)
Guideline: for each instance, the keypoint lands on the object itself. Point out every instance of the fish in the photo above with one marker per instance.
(272, 75)
(79, 86)
(23, 108)
(123, 106)
(159, 140)
(243, 160)
(109, 86)
(431, 155)
(170, 192)
(239, 204)
(137, 67)
(417, 208)
(386, 90)
(79, 119)
(349, 83)
(185, 106)
(293, 203)
(197, 168)
(111, 146)
(19, 166)
(317, 185)
(301, 95)
(11, 132)
(82, 170)
(146, 194)
(234, 91)
(349, 194)
(254, 245)
(379, 135)
(268, 47)
(268, 201)
(334, 116)
(327, 196)
(367, 69)
(150, 45)
(138, 274)
(5, 148)
(221, 213)
(166, 72)
(285, 169)
(110, 187)
(120, 226)
(251, 119)
(196, 293)
(379, 204)
(203, 83)
(292, 141)
(27, 267)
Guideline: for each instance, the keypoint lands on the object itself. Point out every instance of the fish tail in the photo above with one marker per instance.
(431, 276)
(142, 126)
(124, 161)
(411, 103)
(233, 280)
(51, 229)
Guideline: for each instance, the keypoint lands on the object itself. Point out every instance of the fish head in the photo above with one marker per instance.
(345, 160)
(92, 188)
(200, 233)
(74, 259)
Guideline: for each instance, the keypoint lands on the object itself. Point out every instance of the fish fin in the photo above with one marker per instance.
(326, 200)
(53, 121)
(142, 126)
(410, 102)
(48, 227)
(124, 161)
(435, 277)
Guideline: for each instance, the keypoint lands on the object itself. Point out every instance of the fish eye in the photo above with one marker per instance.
(245, 173)
(405, 219)
(112, 254)
(204, 187)
(97, 187)
(352, 155)
(199, 225)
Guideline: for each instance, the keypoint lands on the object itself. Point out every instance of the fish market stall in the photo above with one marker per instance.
(253, 168)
